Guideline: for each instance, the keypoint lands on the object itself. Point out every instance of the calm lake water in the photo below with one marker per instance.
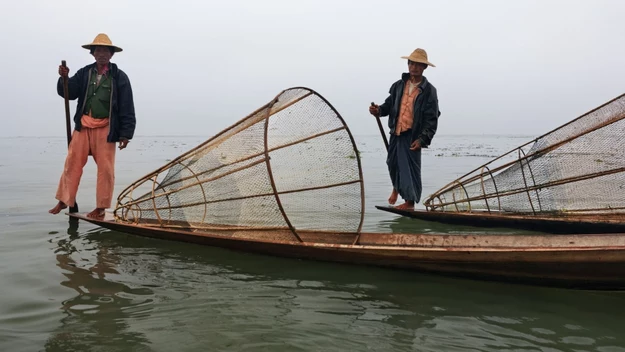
(67, 287)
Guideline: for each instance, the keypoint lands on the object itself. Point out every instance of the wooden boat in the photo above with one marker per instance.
(591, 261)
(557, 224)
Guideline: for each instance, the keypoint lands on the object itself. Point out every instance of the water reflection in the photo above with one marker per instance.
(98, 315)
(402, 224)
(206, 298)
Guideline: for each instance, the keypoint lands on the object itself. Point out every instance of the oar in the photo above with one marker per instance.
(68, 123)
(377, 118)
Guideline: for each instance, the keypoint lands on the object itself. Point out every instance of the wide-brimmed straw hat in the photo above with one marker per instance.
(102, 40)
(419, 55)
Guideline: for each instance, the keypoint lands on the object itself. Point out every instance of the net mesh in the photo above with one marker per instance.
(291, 165)
(577, 168)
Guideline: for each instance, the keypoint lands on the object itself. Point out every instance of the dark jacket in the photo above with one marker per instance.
(122, 116)
(426, 113)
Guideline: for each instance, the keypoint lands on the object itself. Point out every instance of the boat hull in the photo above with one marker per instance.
(574, 261)
(554, 224)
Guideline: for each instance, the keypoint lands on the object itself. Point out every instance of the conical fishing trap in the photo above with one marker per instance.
(292, 165)
(578, 168)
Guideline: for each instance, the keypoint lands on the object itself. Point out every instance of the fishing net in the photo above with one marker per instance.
(290, 165)
(578, 168)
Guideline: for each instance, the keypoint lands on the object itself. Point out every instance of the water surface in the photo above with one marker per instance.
(68, 287)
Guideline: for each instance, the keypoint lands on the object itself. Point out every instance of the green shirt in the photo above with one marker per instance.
(98, 100)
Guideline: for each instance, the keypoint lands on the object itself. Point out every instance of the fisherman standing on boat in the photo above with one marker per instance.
(105, 115)
(412, 107)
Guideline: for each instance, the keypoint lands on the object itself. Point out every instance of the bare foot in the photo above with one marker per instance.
(406, 206)
(393, 198)
(97, 213)
(57, 209)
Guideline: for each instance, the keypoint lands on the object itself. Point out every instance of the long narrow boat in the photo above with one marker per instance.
(595, 261)
(557, 224)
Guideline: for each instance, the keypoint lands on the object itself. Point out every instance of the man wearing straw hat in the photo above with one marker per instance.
(412, 107)
(105, 115)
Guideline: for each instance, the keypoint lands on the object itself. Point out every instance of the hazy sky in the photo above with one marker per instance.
(196, 67)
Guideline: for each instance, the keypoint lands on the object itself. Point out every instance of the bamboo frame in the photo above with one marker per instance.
(536, 153)
(273, 182)
(494, 184)
(154, 203)
(484, 190)
(184, 156)
(529, 197)
(189, 205)
(180, 180)
(261, 115)
(204, 181)
(548, 184)
(529, 167)
(608, 117)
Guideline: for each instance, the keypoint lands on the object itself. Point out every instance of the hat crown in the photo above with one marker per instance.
(102, 39)
(419, 54)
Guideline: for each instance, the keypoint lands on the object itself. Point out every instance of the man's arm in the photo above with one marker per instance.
(385, 108)
(430, 119)
(126, 107)
(73, 85)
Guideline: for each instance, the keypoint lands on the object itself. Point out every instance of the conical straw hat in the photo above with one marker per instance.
(102, 40)
(419, 55)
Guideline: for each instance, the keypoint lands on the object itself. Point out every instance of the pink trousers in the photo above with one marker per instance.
(89, 140)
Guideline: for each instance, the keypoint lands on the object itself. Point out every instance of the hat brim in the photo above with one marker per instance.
(115, 48)
(419, 61)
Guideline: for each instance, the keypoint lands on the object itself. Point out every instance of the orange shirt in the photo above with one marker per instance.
(404, 122)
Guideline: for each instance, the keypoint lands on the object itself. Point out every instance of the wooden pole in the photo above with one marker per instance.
(68, 123)
(377, 118)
